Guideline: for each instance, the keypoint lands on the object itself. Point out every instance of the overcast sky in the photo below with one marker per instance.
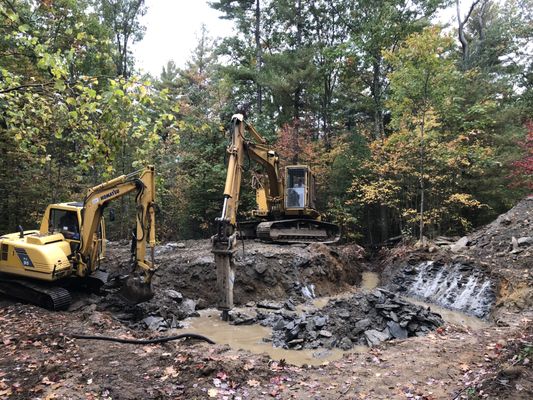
(173, 28)
(172, 31)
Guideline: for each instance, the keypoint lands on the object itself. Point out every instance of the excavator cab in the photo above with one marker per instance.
(65, 218)
(296, 190)
(299, 189)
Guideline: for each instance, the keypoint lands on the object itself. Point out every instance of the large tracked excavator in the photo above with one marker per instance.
(38, 265)
(285, 211)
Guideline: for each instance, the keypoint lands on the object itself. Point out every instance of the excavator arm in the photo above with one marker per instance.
(263, 154)
(226, 236)
(225, 239)
(143, 183)
(285, 211)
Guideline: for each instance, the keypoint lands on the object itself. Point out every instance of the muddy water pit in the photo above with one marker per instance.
(252, 338)
(307, 305)
(258, 339)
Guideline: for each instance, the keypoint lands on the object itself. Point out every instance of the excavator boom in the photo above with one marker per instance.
(137, 288)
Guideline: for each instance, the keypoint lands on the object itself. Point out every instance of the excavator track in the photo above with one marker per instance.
(298, 231)
(51, 297)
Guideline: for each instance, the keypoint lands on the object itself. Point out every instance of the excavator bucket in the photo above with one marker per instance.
(136, 290)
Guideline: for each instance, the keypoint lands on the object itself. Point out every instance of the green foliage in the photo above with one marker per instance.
(424, 160)
(63, 117)
(375, 98)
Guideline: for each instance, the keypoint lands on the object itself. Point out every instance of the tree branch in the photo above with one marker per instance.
(26, 86)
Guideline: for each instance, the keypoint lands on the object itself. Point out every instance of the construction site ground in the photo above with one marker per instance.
(41, 360)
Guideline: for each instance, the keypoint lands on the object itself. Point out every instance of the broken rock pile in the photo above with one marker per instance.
(164, 311)
(363, 319)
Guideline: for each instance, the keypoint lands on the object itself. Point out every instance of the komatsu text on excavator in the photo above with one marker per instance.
(286, 210)
(36, 265)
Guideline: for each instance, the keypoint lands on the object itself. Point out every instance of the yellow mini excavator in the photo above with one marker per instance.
(36, 265)
(285, 211)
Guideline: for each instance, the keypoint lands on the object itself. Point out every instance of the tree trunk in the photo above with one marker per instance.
(461, 29)
(298, 91)
(421, 179)
(376, 90)
(259, 54)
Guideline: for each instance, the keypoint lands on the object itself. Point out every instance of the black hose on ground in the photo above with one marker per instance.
(144, 341)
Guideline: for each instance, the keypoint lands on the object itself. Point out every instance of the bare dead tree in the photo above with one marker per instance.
(461, 26)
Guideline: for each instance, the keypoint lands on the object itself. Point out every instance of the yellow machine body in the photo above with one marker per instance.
(71, 243)
(46, 254)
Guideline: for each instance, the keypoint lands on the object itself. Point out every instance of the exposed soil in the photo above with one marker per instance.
(186, 281)
(41, 360)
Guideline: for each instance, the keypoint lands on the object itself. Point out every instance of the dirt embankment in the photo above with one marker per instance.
(499, 256)
(505, 248)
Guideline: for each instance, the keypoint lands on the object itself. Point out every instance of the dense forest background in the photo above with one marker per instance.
(413, 126)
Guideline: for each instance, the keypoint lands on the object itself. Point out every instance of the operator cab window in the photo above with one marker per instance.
(65, 222)
(295, 196)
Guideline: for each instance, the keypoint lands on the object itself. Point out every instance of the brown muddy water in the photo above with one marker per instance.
(451, 316)
(250, 337)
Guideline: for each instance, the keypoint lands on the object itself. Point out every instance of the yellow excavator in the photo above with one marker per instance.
(285, 211)
(36, 265)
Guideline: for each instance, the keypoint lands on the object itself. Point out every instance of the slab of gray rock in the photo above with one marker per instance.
(325, 333)
(374, 337)
(525, 241)
(363, 324)
(154, 323)
(459, 245)
(174, 295)
(188, 306)
(270, 305)
(345, 344)
(396, 330)
(241, 318)
(319, 321)
(260, 268)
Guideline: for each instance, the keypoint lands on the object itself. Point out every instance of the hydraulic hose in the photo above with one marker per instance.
(144, 341)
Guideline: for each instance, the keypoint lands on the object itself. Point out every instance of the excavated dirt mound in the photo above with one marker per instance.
(186, 280)
(487, 272)
(505, 246)
(506, 242)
